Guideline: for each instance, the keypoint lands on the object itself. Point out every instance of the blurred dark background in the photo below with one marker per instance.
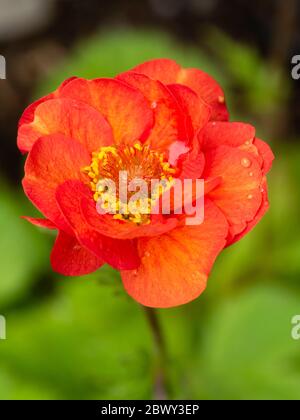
(85, 338)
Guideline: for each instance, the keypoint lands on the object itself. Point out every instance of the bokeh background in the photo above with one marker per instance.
(84, 338)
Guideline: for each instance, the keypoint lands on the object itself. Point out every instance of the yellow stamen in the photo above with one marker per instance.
(140, 162)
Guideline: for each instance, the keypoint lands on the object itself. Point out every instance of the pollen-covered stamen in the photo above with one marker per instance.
(139, 162)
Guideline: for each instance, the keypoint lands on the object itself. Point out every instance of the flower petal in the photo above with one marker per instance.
(42, 223)
(266, 153)
(169, 72)
(125, 108)
(239, 194)
(175, 266)
(198, 111)
(53, 160)
(163, 69)
(192, 163)
(68, 117)
(169, 119)
(28, 115)
(106, 225)
(120, 254)
(69, 258)
(251, 225)
(207, 89)
(226, 134)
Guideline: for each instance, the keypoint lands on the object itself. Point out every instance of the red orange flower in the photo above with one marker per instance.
(155, 120)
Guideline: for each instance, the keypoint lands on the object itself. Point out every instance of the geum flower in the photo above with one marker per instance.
(157, 120)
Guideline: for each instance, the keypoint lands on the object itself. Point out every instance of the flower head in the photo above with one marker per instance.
(152, 127)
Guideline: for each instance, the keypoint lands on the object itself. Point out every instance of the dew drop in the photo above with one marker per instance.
(154, 105)
(247, 143)
(251, 174)
(246, 163)
(147, 254)
(250, 196)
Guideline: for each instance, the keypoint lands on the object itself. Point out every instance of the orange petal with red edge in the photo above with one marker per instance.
(251, 225)
(226, 134)
(106, 225)
(120, 254)
(175, 266)
(124, 107)
(53, 160)
(169, 119)
(169, 72)
(239, 194)
(68, 117)
(266, 153)
(28, 115)
(197, 111)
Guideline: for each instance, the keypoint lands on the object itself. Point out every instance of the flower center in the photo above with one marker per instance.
(135, 165)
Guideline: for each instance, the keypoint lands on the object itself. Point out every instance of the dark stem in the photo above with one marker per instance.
(161, 387)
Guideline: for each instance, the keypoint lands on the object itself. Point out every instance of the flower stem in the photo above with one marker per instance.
(161, 386)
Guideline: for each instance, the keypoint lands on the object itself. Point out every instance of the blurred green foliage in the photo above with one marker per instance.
(23, 251)
(259, 83)
(111, 53)
(85, 338)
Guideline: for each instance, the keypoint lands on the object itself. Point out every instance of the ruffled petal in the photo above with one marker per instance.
(237, 135)
(68, 117)
(53, 160)
(125, 108)
(226, 134)
(260, 214)
(266, 153)
(69, 258)
(192, 163)
(169, 72)
(106, 225)
(28, 115)
(120, 254)
(197, 111)
(175, 266)
(170, 122)
(239, 194)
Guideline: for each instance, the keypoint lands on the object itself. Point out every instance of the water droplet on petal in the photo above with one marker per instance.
(247, 143)
(135, 272)
(246, 163)
(147, 254)
(251, 174)
(250, 196)
(154, 105)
